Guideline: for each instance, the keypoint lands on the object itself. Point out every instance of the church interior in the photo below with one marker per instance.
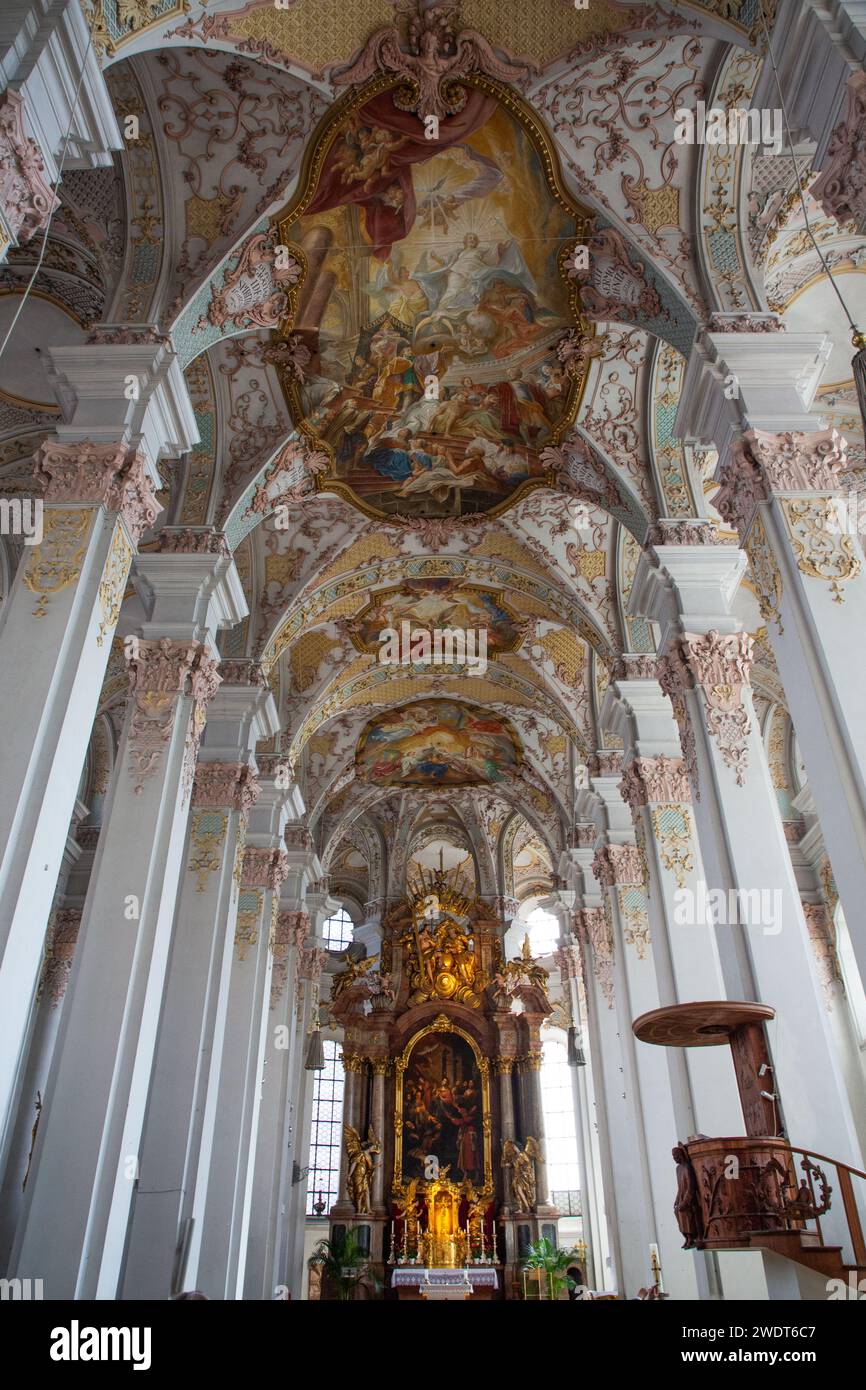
(433, 770)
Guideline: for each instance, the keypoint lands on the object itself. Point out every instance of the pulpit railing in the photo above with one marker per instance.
(851, 1186)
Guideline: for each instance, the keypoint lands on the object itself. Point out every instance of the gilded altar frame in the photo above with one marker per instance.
(315, 154)
(443, 1024)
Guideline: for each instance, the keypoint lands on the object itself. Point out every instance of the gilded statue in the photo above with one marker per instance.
(522, 1164)
(362, 1161)
(355, 970)
(444, 966)
(478, 1205)
(409, 1212)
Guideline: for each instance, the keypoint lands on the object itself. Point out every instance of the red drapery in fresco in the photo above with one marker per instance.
(388, 197)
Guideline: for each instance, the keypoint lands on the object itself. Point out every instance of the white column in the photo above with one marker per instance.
(74, 1226)
(781, 478)
(219, 1245)
(179, 1132)
(275, 1149)
(56, 629)
(765, 950)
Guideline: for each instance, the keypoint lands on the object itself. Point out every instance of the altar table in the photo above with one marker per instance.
(414, 1282)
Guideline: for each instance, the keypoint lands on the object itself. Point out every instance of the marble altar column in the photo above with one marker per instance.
(86, 1162)
(96, 483)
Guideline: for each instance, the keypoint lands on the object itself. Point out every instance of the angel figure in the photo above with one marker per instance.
(522, 1165)
(362, 1161)
(354, 971)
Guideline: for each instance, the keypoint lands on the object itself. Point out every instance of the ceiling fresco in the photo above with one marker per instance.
(422, 346)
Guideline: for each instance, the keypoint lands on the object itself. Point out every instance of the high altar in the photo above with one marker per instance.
(443, 1164)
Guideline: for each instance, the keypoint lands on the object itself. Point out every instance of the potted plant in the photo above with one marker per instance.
(551, 1265)
(341, 1261)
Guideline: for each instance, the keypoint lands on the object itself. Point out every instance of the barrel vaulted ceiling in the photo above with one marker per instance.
(289, 228)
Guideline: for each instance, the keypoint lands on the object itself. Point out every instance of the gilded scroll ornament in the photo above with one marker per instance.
(206, 833)
(56, 562)
(112, 586)
(821, 548)
(765, 572)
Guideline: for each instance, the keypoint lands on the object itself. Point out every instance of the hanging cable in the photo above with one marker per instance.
(66, 139)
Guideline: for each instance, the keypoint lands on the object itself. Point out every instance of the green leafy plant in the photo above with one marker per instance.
(544, 1255)
(342, 1262)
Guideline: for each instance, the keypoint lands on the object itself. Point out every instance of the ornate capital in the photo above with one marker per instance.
(632, 666)
(503, 1066)
(797, 462)
(310, 962)
(193, 540)
(225, 784)
(718, 659)
(243, 672)
(298, 837)
(607, 762)
(293, 928)
(109, 474)
(264, 868)
(26, 197)
(584, 835)
(660, 779)
(619, 864)
(841, 186)
(693, 531)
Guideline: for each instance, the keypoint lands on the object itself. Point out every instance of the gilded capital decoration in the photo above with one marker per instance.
(841, 186)
(503, 1066)
(248, 923)
(112, 585)
(60, 941)
(26, 197)
(619, 864)
(207, 830)
(672, 829)
(264, 868)
(110, 474)
(225, 784)
(654, 779)
(821, 548)
(56, 561)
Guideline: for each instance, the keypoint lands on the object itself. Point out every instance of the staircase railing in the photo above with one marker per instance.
(850, 1183)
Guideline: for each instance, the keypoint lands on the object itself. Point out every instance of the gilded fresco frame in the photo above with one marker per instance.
(442, 1024)
(312, 164)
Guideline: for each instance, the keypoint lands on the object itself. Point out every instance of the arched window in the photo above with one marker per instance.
(326, 1135)
(337, 931)
(543, 932)
(560, 1125)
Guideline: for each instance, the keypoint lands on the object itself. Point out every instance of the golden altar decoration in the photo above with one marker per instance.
(445, 1245)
